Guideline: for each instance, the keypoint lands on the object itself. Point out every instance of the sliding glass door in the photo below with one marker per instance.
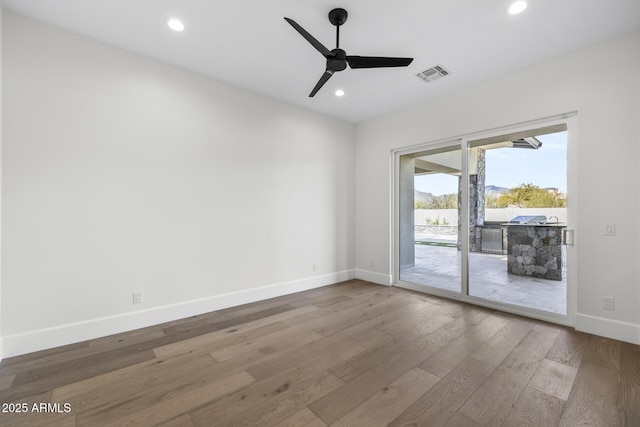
(485, 220)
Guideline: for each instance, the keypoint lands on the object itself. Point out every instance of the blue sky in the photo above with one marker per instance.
(510, 167)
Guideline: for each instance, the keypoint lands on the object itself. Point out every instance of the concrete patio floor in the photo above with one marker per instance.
(439, 267)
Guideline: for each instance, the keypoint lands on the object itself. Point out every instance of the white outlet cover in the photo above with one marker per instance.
(137, 297)
(610, 229)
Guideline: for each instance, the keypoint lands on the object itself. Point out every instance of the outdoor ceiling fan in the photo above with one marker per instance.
(337, 59)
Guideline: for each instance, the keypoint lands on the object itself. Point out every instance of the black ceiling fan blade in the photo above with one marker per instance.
(319, 46)
(326, 76)
(377, 61)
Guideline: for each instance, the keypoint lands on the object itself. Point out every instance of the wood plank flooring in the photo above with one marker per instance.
(351, 354)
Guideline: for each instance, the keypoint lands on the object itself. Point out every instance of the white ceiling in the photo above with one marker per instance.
(247, 42)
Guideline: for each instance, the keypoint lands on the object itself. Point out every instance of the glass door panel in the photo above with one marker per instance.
(517, 214)
(429, 243)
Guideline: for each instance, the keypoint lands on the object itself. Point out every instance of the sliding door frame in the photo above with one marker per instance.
(462, 142)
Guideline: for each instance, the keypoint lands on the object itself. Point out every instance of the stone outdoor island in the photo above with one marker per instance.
(535, 250)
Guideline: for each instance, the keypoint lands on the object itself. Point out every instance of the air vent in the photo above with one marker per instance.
(433, 73)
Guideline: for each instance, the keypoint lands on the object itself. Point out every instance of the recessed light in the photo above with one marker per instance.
(339, 92)
(175, 24)
(517, 7)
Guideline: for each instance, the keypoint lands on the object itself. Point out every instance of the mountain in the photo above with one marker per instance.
(494, 189)
(421, 196)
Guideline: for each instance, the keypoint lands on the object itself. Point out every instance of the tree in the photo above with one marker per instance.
(446, 201)
(491, 201)
(530, 196)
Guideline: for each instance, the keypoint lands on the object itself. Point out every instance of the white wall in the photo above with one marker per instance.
(608, 137)
(121, 173)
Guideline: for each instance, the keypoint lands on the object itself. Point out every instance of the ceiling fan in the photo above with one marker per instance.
(337, 59)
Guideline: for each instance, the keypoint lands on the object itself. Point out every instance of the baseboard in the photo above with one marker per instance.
(42, 339)
(370, 276)
(615, 329)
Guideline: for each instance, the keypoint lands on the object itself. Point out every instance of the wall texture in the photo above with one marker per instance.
(122, 174)
(604, 160)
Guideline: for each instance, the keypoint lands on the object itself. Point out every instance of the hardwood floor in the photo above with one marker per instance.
(352, 354)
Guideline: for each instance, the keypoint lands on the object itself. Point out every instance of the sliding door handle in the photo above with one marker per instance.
(567, 237)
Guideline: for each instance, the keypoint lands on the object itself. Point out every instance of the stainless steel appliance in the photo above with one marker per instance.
(492, 240)
(529, 219)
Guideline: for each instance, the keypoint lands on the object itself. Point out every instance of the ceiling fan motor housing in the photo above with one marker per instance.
(337, 61)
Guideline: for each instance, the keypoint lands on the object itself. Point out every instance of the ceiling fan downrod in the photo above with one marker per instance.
(338, 17)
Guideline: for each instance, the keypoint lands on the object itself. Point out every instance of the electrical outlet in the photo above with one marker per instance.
(608, 303)
(610, 229)
(315, 267)
(137, 297)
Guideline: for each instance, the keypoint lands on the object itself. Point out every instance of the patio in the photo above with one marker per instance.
(437, 264)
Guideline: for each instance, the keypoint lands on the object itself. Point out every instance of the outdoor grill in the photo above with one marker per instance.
(529, 219)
